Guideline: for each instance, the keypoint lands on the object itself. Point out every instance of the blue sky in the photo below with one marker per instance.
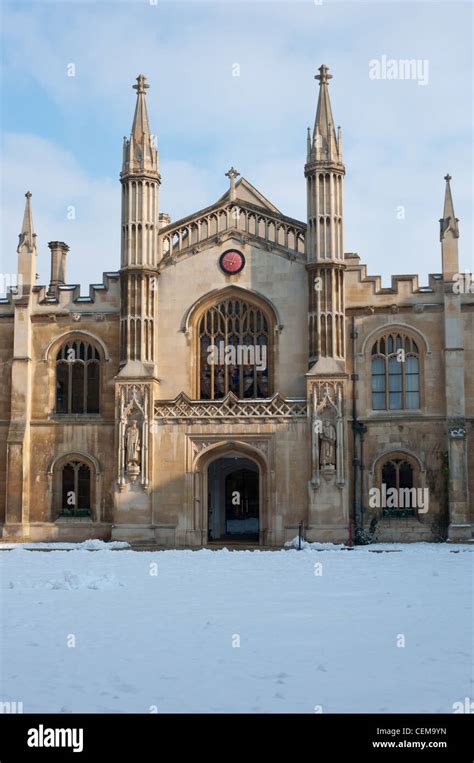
(62, 136)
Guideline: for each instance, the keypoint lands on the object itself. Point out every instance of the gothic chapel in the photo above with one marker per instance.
(240, 374)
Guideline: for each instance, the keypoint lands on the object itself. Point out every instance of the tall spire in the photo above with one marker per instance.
(140, 126)
(448, 235)
(324, 172)
(27, 237)
(324, 143)
(449, 221)
(140, 181)
(26, 251)
(455, 373)
(140, 153)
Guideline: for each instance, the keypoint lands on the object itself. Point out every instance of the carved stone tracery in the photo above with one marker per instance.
(229, 407)
(457, 429)
(200, 445)
(250, 224)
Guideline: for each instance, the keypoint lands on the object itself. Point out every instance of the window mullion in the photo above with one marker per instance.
(404, 401)
(240, 367)
(84, 401)
(213, 365)
(76, 487)
(99, 387)
(226, 342)
(254, 342)
(69, 386)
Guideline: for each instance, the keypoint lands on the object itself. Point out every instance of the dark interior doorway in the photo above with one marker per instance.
(233, 500)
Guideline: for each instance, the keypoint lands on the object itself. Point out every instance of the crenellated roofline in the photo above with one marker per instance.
(367, 293)
(65, 294)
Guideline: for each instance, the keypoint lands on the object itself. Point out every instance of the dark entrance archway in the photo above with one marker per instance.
(233, 499)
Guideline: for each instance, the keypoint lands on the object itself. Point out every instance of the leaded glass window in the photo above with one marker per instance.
(397, 474)
(77, 378)
(395, 373)
(75, 489)
(234, 351)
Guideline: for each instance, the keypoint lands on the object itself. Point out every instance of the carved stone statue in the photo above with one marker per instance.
(132, 439)
(327, 455)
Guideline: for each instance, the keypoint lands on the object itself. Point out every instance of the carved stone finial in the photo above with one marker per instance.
(141, 87)
(232, 174)
(323, 75)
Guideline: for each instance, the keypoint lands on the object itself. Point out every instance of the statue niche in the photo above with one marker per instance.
(132, 447)
(133, 408)
(327, 445)
(327, 433)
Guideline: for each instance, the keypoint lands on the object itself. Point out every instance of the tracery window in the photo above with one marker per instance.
(75, 489)
(234, 350)
(78, 378)
(395, 373)
(397, 473)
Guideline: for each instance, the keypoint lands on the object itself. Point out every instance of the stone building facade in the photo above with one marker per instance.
(240, 374)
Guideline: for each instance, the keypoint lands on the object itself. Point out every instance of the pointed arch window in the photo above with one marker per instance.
(401, 473)
(78, 378)
(75, 489)
(395, 373)
(234, 350)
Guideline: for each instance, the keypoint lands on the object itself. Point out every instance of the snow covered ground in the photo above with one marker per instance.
(99, 630)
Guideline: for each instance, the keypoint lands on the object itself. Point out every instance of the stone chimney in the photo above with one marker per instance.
(59, 251)
(163, 220)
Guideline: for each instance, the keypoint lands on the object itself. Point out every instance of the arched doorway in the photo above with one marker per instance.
(233, 500)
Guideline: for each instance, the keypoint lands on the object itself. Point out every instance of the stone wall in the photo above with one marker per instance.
(274, 276)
